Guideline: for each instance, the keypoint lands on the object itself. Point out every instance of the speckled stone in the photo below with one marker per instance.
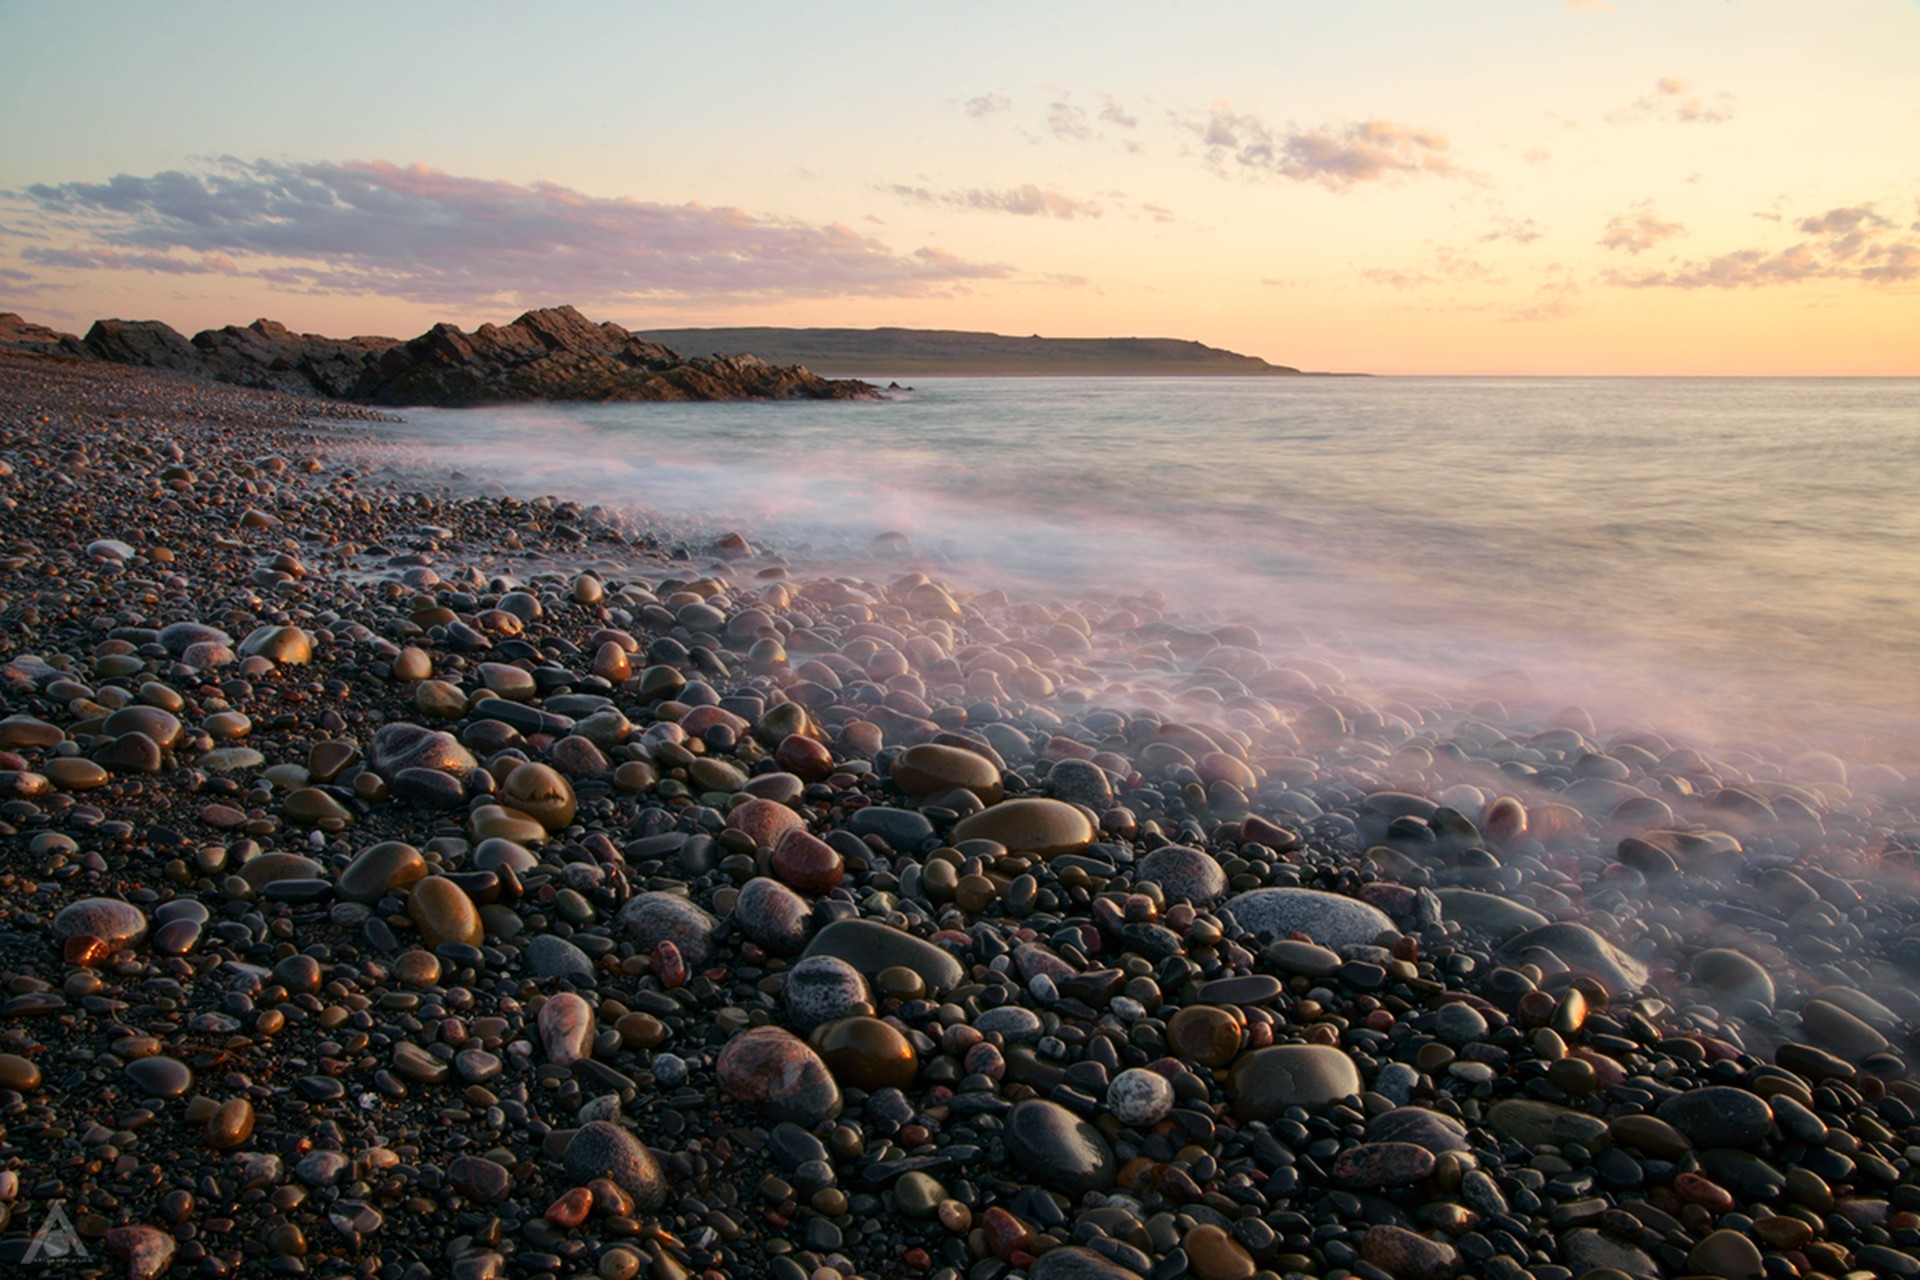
(655, 917)
(779, 1075)
(773, 915)
(822, 988)
(566, 1028)
(602, 1149)
(1184, 874)
(1140, 1098)
(116, 923)
(1326, 918)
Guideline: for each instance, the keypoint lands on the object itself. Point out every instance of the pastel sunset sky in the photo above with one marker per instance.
(1640, 187)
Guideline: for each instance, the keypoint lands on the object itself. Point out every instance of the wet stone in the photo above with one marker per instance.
(870, 946)
(929, 768)
(866, 1053)
(899, 828)
(1407, 1255)
(162, 727)
(481, 1180)
(1719, 1116)
(1204, 1034)
(160, 1076)
(1058, 1149)
(1072, 1262)
(1265, 1082)
(401, 745)
(807, 863)
(1034, 825)
(379, 870)
(442, 912)
(1378, 1165)
(1417, 1125)
(764, 821)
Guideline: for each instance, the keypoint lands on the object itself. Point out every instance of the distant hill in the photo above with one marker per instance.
(897, 353)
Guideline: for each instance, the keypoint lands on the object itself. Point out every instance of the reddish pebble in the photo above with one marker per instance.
(669, 966)
(1504, 820)
(763, 821)
(85, 950)
(571, 1209)
(1006, 1234)
(1709, 1195)
(918, 1259)
(807, 863)
(804, 758)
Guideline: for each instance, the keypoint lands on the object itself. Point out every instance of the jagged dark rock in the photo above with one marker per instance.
(550, 354)
(147, 343)
(268, 354)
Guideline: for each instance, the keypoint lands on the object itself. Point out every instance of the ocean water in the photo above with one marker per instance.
(1736, 560)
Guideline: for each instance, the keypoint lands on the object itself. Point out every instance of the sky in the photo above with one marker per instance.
(1547, 187)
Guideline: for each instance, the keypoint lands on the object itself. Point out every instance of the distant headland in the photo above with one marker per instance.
(893, 353)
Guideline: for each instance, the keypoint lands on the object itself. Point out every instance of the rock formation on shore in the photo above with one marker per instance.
(553, 353)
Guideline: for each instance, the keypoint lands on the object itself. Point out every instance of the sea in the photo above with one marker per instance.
(1731, 561)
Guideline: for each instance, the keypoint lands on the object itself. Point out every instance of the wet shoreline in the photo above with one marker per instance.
(425, 879)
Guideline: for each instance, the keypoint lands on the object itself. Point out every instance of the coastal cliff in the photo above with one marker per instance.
(549, 354)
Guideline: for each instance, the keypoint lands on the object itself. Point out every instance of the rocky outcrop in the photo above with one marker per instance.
(550, 354)
(17, 334)
(268, 354)
(558, 354)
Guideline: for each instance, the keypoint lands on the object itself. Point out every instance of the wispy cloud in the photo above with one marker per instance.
(1516, 230)
(1678, 101)
(986, 104)
(1638, 230)
(1068, 122)
(1853, 242)
(1446, 265)
(1027, 201)
(1114, 113)
(1553, 300)
(1338, 157)
(427, 236)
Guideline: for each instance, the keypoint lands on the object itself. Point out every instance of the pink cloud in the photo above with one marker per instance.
(1638, 230)
(424, 235)
(1337, 157)
(1849, 243)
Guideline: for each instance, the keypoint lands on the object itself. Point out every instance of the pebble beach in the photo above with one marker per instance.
(404, 880)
